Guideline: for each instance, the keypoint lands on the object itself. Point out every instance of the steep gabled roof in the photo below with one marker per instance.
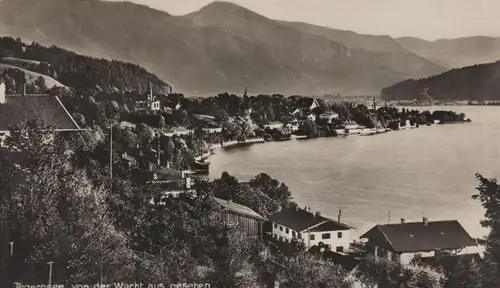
(417, 237)
(46, 108)
(300, 220)
(330, 226)
(238, 208)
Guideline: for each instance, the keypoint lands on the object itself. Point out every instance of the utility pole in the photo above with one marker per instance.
(50, 272)
(11, 249)
(100, 261)
(111, 153)
(162, 266)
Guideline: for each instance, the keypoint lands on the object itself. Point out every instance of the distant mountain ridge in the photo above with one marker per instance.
(478, 83)
(221, 47)
(455, 53)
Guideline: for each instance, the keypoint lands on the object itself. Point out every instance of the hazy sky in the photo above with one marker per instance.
(428, 19)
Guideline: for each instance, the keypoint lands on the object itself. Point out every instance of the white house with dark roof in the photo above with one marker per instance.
(401, 242)
(311, 228)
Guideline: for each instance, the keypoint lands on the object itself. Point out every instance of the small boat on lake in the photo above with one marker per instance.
(300, 137)
(284, 137)
(201, 165)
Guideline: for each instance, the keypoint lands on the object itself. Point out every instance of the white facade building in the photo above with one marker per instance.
(293, 126)
(274, 125)
(329, 116)
(401, 242)
(312, 229)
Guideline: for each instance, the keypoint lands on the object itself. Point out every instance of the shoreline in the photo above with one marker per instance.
(228, 144)
(253, 141)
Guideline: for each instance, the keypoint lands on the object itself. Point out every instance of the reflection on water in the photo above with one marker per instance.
(426, 171)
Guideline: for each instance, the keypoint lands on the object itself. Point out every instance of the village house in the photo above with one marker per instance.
(179, 131)
(274, 125)
(304, 108)
(168, 182)
(213, 130)
(403, 241)
(293, 125)
(311, 228)
(250, 221)
(329, 116)
(18, 108)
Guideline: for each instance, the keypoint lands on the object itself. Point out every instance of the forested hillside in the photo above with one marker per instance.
(477, 83)
(83, 73)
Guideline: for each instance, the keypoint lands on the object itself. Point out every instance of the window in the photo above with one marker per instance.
(281, 238)
(286, 230)
(339, 234)
(325, 236)
(281, 228)
(311, 237)
(340, 249)
(275, 225)
(293, 233)
(275, 236)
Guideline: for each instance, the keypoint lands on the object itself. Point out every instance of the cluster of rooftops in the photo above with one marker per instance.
(401, 237)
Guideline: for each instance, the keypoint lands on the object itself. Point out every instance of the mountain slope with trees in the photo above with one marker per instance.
(83, 73)
(476, 83)
(222, 47)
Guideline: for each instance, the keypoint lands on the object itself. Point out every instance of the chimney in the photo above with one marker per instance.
(426, 221)
(2, 93)
(339, 216)
(402, 220)
(297, 208)
(305, 208)
(317, 214)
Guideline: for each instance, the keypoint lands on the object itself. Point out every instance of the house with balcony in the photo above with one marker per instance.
(310, 228)
(402, 242)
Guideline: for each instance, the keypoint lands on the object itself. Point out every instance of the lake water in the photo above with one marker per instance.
(426, 171)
